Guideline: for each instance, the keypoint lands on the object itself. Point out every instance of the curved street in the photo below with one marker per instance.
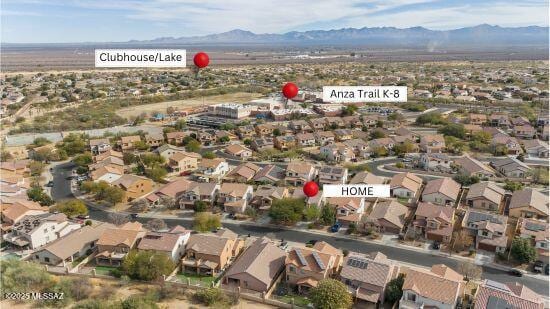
(62, 190)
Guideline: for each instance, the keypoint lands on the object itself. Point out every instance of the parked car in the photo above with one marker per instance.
(310, 243)
(83, 217)
(283, 245)
(547, 269)
(335, 228)
(49, 184)
(436, 245)
(185, 173)
(538, 266)
(134, 215)
(515, 273)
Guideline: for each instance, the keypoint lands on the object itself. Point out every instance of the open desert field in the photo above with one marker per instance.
(239, 97)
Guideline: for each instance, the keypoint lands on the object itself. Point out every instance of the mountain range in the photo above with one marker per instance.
(481, 35)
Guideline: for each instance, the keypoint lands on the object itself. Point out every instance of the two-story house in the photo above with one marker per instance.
(486, 196)
(298, 173)
(434, 222)
(115, 243)
(171, 242)
(212, 169)
(235, 196)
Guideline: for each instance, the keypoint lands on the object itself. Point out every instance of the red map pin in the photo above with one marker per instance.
(201, 60)
(311, 189)
(290, 90)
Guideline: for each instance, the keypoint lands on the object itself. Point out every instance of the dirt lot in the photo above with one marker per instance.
(239, 97)
(103, 289)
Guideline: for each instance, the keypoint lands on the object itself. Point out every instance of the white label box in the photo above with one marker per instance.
(140, 58)
(358, 190)
(364, 94)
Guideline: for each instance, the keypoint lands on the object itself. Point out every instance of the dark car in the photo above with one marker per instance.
(335, 228)
(547, 269)
(50, 183)
(538, 266)
(133, 216)
(311, 242)
(83, 217)
(436, 245)
(515, 273)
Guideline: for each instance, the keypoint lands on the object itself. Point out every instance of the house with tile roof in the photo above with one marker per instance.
(211, 253)
(171, 242)
(76, 244)
(488, 228)
(183, 161)
(348, 209)
(386, 216)
(134, 186)
(333, 175)
(127, 142)
(99, 145)
(441, 191)
(511, 167)
(367, 178)
(471, 166)
(198, 191)
(238, 151)
(36, 230)
(535, 148)
(235, 196)
(13, 212)
(298, 173)
(434, 222)
(432, 143)
(243, 173)
(366, 277)
(212, 169)
(495, 295)
(257, 267)
(265, 195)
(440, 287)
(270, 173)
(154, 139)
(107, 173)
(406, 185)
(115, 243)
(537, 232)
(485, 195)
(529, 203)
(306, 267)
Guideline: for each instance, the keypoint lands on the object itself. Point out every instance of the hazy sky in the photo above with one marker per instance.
(121, 20)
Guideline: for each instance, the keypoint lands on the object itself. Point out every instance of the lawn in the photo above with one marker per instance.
(196, 279)
(104, 270)
(299, 300)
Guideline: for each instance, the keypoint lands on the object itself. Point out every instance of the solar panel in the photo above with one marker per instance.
(318, 260)
(533, 226)
(301, 257)
(357, 263)
(498, 303)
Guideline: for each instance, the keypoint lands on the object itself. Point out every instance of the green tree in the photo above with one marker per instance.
(206, 221)
(210, 297)
(403, 148)
(84, 159)
(19, 276)
(37, 194)
(224, 139)
(129, 158)
(377, 134)
(453, 129)
(36, 168)
(193, 146)
(200, 206)
(522, 250)
(73, 144)
(330, 294)
(394, 289)
(379, 151)
(432, 118)
(328, 215)
(311, 213)
(287, 211)
(466, 180)
(71, 208)
(147, 265)
(209, 155)
(113, 195)
(156, 173)
(512, 185)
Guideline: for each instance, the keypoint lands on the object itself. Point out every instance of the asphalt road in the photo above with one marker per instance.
(61, 190)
